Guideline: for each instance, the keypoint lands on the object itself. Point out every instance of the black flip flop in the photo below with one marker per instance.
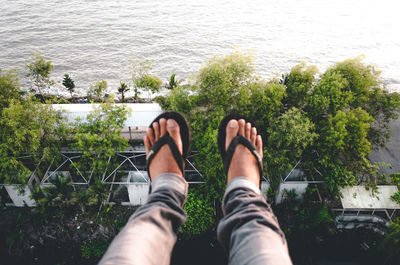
(227, 155)
(186, 138)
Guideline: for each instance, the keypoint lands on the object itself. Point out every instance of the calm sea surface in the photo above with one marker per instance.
(97, 39)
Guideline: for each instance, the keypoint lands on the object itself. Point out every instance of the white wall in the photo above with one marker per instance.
(264, 187)
(138, 193)
(20, 199)
(298, 186)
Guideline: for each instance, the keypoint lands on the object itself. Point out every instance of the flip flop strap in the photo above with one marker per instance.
(166, 139)
(231, 149)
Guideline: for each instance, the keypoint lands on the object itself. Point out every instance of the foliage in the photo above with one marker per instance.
(122, 89)
(59, 194)
(99, 138)
(287, 138)
(97, 89)
(94, 248)
(304, 222)
(299, 83)
(343, 147)
(148, 82)
(330, 123)
(69, 83)
(364, 89)
(172, 83)
(39, 71)
(142, 79)
(395, 179)
(390, 245)
(396, 197)
(200, 212)
(9, 88)
(28, 127)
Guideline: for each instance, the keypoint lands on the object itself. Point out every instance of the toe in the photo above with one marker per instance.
(259, 146)
(163, 127)
(253, 136)
(150, 136)
(248, 130)
(174, 132)
(147, 143)
(242, 125)
(232, 129)
(156, 128)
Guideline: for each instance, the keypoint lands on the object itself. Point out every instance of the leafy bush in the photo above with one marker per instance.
(28, 128)
(97, 89)
(94, 248)
(99, 136)
(200, 212)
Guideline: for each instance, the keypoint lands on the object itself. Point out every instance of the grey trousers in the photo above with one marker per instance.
(249, 231)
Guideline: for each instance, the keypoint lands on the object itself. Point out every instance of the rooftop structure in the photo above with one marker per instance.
(141, 115)
(357, 197)
(360, 203)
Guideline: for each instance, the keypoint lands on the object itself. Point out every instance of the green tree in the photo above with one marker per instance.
(172, 83)
(142, 78)
(69, 83)
(39, 71)
(150, 83)
(286, 141)
(122, 89)
(328, 97)
(99, 137)
(368, 92)
(330, 123)
(97, 89)
(9, 88)
(343, 147)
(28, 128)
(299, 83)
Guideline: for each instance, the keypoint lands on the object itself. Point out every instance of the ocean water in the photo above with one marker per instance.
(98, 39)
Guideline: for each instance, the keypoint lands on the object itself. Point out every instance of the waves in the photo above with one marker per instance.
(94, 40)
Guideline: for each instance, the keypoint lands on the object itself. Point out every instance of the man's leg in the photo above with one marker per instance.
(150, 234)
(249, 230)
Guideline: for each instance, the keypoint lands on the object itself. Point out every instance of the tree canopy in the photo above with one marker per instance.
(39, 71)
(331, 122)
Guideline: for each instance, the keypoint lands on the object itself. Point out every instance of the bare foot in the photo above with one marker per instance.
(243, 162)
(164, 160)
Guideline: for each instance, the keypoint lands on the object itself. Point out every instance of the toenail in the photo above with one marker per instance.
(171, 124)
(232, 124)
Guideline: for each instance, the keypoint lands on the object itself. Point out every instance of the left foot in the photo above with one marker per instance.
(163, 161)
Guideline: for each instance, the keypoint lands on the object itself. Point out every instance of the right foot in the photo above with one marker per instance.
(243, 163)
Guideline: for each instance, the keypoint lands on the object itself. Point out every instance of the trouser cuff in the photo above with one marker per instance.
(170, 181)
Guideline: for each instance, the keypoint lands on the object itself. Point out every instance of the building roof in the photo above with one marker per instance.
(357, 197)
(142, 114)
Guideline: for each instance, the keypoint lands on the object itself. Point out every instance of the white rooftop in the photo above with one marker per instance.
(142, 114)
(357, 197)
